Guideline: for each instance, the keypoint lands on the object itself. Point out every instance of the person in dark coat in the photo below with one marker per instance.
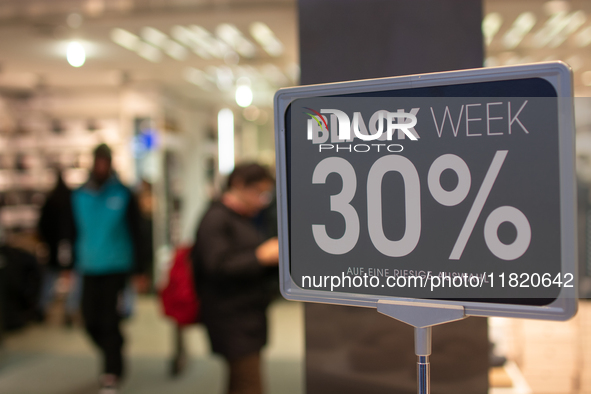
(231, 261)
(55, 230)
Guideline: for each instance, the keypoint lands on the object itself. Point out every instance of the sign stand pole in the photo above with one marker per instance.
(422, 317)
(423, 350)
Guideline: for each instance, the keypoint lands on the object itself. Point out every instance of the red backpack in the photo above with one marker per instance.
(179, 298)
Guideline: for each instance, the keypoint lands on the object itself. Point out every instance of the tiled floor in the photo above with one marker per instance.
(51, 359)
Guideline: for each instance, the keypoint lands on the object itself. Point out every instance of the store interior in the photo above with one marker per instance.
(181, 90)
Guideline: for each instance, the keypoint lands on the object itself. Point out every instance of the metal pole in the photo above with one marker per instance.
(423, 350)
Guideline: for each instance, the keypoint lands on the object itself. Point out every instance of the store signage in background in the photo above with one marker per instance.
(451, 188)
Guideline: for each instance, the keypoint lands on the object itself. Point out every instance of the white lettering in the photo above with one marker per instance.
(515, 119)
(468, 120)
(489, 118)
(447, 114)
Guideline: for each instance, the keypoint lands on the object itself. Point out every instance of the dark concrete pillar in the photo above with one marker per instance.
(357, 350)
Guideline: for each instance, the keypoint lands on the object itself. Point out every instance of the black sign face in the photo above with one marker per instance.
(407, 194)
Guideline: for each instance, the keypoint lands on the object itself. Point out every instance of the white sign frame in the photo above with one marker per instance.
(557, 73)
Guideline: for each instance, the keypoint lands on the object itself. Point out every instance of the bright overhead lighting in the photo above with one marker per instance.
(558, 27)
(149, 52)
(491, 25)
(225, 141)
(175, 50)
(154, 36)
(205, 41)
(243, 92)
(182, 35)
(266, 38)
(243, 96)
(522, 25)
(76, 54)
(125, 39)
(235, 39)
(576, 20)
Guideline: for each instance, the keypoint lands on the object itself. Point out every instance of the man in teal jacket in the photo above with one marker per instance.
(107, 251)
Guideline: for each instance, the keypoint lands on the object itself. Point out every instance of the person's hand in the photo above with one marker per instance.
(268, 252)
(141, 283)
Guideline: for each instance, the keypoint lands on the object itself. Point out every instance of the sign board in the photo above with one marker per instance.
(454, 188)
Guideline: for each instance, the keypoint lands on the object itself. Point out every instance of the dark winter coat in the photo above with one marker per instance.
(232, 285)
(55, 226)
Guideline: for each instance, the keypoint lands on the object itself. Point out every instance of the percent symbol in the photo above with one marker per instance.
(500, 215)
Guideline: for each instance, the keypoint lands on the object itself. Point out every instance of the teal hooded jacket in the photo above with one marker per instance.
(106, 221)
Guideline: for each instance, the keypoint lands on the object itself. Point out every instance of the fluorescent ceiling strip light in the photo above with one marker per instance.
(522, 25)
(552, 27)
(491, 25)
(236, 40)
(125, 39)
(175, 50)
(266, 38)
(576, 20)
(154, 36)
(149, 52)
(225, 141)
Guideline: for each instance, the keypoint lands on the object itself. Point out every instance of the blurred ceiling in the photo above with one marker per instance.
(526, 31)
(203, 48)
(197, 48)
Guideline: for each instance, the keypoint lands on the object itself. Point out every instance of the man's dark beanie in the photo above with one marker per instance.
(102, 151)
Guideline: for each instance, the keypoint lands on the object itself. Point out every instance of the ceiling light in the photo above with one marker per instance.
(243, 92)
(125, 39)
(175, 50)
(243, 96)
(154, 36)
(76, 55)
(225, 141)
(149, 52)
(181, 34)
(228, 33)
(234, 38)
(266, 38)
(551, 28)
(576, 20)
(491, 25)
(522, 25)
(205, 41)
(188, 38)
